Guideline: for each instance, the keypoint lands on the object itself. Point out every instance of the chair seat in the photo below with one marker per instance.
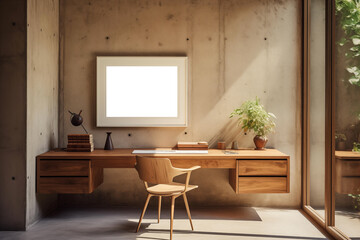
(169, 189)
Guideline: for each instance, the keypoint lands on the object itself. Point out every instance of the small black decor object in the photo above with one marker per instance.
(108, 143)
(77, 120)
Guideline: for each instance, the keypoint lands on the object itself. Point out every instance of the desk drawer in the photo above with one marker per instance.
(64, 185)
(262, 184)
(348, 168)
(262, 167)
(64, 168)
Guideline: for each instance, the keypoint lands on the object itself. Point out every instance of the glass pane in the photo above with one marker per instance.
(347, 124)
(317, 106)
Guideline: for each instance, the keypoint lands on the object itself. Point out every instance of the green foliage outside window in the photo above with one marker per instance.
(348, 13)
(356, 200)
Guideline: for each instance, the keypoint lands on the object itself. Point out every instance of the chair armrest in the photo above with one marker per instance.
(185, 170)
(188, 173)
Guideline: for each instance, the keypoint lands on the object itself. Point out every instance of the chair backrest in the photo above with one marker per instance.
(156, 170)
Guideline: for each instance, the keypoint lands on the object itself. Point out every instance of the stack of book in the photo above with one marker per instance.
(192, 146)
(80, 143)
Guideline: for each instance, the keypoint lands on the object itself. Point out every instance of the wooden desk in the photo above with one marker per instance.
(347, 172)
(251, 171)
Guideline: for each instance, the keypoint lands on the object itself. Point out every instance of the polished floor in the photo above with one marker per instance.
(348, 222)
(210, 223)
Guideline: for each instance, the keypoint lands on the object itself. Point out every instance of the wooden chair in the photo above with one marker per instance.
(160, 172)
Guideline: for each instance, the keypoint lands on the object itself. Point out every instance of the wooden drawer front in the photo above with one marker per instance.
(262, 167)
(118, 162)
(204, 163)
(64, 167)
(348, 168)
(262, 185)
(348, 185)
(63, 185)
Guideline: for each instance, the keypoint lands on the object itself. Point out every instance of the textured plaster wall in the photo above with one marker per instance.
(29, 62)
(42, 97)
(13, 114)
(237, 50)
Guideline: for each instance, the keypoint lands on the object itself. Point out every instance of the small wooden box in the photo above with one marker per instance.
(80, 143)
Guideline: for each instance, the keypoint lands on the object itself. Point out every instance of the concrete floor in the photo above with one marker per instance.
(221, 223)
(349, 223)
(347, 220)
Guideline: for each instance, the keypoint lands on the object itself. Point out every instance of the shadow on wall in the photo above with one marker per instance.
(231, 131)
(226, 132)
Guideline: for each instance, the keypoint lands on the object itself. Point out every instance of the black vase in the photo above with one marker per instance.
(108, 143)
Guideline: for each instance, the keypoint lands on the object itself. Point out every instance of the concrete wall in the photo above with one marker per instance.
(13, 114)
(29, 63)
(237, 50)
(42, 97)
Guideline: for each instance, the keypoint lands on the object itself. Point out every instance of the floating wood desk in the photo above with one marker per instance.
(347, 172)
(251, 171)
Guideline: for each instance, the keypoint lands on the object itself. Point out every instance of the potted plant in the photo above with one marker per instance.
(340, 140)
(356, 147)
(253, 117)
(356, 200)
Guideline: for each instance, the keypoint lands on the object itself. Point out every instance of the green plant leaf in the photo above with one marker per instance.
(354, 80)
(356, 41)
(352, 69)
(253, 117)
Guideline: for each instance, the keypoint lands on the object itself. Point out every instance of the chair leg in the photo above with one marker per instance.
(172, 216)
(188, 210)
(143, 212)
(159, 209)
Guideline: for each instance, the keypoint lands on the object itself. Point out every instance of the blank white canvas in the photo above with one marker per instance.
(141, 91)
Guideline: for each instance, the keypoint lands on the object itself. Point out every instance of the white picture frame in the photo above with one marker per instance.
(141, 91)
